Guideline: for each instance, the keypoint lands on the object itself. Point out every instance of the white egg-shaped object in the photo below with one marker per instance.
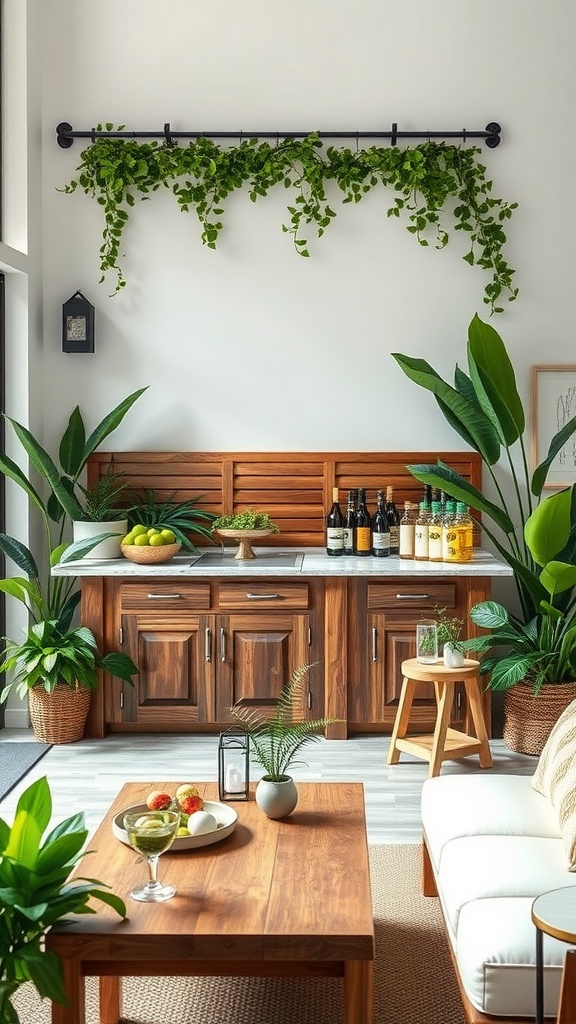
(201, 822)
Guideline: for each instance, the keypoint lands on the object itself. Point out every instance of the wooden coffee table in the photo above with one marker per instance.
(283, 898)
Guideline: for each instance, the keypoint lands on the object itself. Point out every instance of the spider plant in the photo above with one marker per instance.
(182, 517)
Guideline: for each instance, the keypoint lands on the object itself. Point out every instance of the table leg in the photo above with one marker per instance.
(567, 1004)
(402, 718)
(75, 1011)
(539, 978)
(444, 698)
(359, 992)
(110, 1000)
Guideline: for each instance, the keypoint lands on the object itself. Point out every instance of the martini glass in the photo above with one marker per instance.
(151, 833)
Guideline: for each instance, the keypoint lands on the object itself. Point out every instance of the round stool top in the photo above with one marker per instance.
(414, 669)
(553, 912)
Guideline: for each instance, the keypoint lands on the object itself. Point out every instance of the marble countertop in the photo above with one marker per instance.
(285, 562)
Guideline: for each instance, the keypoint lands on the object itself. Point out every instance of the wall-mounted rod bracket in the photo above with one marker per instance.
(65, 135)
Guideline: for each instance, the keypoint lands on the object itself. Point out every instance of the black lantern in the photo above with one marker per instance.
(233, 765)
(78, 324)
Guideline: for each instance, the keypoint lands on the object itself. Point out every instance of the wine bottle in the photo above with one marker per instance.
(380, 529)
(350, 522)
(335, 527)
(393, 516)
(363, 531)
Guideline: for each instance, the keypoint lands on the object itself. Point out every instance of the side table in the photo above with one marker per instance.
(554, 913)
(444, 744)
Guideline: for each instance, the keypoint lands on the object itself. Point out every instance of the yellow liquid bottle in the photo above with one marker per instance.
(449, 533)
(465, 531)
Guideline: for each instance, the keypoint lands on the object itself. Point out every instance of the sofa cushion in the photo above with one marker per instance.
(555, 777)
(466, 805)
(496, 952)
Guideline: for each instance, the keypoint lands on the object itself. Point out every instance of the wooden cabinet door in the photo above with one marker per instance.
(174, 685)
(256, 654)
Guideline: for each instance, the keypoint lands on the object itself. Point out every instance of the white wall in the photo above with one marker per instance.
(252, 347)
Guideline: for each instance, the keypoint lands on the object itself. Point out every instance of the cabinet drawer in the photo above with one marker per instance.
(418, 594)
(263, 594)
(166, 594)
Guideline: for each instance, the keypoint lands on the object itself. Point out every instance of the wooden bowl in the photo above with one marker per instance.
(145, 555)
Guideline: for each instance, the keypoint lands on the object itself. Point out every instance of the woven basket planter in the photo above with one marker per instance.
(528, 720)
(60, 716)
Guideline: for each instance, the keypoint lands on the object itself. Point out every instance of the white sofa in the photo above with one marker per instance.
(491, 845)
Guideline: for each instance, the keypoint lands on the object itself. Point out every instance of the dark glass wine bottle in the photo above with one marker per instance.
(393, 517)
(335, 527)
(350, 522)
(363, 531)
(380, 529)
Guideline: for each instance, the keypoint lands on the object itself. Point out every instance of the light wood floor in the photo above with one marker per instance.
(87, 775)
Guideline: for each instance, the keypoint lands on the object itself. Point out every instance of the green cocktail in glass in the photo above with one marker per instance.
(151, 833)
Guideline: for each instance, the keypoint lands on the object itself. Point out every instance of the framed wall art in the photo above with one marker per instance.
(553, 405)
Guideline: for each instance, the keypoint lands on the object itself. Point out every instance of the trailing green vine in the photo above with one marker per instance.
(429, 180)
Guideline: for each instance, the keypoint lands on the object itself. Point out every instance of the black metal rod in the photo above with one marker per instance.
(66, 135)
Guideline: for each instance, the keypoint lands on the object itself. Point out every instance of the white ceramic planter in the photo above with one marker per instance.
(452, 657)
(276, 799)
(107, 548)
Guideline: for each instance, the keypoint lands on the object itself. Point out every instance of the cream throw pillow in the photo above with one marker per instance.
(555, 777)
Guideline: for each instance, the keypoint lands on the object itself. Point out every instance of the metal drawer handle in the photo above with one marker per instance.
(222, 644)
(164, 597)
(208, 644)
(374, 644)
(413, 597)
(264, 597)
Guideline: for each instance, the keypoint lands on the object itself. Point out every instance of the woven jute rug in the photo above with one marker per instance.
(414, 977)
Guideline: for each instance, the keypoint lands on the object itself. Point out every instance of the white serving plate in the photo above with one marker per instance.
(226, 818)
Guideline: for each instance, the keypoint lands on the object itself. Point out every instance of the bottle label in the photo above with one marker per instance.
(394, 538)
(450, 545)
(381, 542)
(420, 541)
(407, 541)
(435, 544)
(363, 539)
(335, 538)
(348, 539)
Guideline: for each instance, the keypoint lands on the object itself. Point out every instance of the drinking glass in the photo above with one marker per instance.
(151, 833)
(427, 642)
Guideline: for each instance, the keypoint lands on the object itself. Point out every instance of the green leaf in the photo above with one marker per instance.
(11, 470)
(109, 424)
(493, 378)
(19, 554)
(556, 444)
(472, 420)
(72, 444)
(445, 478)
(558, 577)
(548, 528)
(490, 615)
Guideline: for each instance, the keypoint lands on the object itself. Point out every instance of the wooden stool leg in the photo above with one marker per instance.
(567, 1005)
(402, 718)
(444, 697)
(475, 703)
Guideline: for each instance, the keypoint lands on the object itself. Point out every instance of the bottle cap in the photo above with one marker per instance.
(436, 506)
(461, 506)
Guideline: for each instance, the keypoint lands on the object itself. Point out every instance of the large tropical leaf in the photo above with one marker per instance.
(42, 462)
(557, 442)
(108, 424)
(73, 444)
(494, 382)
(547, 530)
(445, 478)
(558, 577)
(474, 422)
(19, 554)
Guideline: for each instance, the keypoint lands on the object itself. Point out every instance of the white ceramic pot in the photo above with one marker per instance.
(107, 548)
(276, 799)
(452, 657)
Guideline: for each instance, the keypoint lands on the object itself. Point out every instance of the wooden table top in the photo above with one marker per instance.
(273, 890)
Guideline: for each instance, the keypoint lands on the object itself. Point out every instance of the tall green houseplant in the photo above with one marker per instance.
(485, 409)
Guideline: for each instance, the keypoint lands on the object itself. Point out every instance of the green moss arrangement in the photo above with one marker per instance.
(433, 182)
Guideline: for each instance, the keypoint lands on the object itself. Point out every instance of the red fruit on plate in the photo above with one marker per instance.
(190, 804)
(157, 801)
(186, 789)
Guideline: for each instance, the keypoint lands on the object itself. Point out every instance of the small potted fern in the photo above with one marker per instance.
(275, 743)
(102, 515)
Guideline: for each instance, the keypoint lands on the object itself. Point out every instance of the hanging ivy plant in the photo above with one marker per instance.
(429, 179)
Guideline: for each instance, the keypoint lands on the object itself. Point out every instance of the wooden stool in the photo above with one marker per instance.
(444, 744)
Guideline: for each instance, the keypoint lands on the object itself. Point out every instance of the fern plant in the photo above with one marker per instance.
(276, 741)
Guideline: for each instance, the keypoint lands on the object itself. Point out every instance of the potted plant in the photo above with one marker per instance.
(275, 743)
(245, 527)
(103, 514)
(51, 601)
(536, 536)
(181, 517)
(58, 671)
(449, 630)
(35, 893)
